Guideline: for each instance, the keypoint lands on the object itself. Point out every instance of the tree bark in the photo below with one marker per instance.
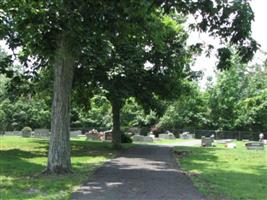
(116, 131)
(59, 161)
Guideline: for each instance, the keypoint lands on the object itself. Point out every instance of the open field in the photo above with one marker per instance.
(22, 160)
(222, 173)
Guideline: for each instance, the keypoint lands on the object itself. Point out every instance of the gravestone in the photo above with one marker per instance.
(9, 133)
(108, 135)
(230, 145)
(95, 135)
(186, 135)
(17, 133)
(168, 136)
(75, 133)
(225, 141)
(138, 138)
(148, 139)
(206, 141)
(42, 132)
(255, 146)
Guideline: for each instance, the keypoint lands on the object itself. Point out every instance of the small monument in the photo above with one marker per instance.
(207, 141)
(261, 137)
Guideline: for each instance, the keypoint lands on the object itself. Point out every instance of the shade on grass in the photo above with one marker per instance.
(227, 173)
(21, 159)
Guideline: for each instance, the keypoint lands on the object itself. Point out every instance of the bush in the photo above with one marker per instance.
(126, 138)
(26, 132)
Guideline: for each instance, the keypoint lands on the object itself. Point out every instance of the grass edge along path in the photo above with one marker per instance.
(222, 173)
(21, 159)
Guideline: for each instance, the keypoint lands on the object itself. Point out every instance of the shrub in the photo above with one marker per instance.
(26, 132)
(126, 138)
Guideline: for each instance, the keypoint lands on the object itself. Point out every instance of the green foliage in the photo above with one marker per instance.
(27, 129)
(252, 112)
(126, 138)
(238, 99)
(189, 111)
(17, 114)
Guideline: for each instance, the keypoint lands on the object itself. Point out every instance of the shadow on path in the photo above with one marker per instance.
(140, 173)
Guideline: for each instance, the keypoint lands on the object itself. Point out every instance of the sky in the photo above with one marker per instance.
(207, 65)
(259, 33)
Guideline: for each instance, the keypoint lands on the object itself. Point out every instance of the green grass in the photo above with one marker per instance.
(222, 173)
(166, 142)
(176, 141)
(21, 159)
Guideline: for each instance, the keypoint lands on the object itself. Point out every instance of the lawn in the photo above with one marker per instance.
(21, 159)
(222, 173)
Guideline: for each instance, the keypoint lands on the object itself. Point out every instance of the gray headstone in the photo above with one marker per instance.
(75, 133)
(255, 146)
(42, 132)
(168, 136)
(17, 133)
(9, 133)
(138, 138)
(207, 141)
(148, 139)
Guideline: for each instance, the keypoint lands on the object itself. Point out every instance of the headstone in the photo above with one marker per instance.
(265, 142)
(261, 137)
(168, 136)
(186, 135)
(255, 146)
(148, 139)
(230, 145)
(42, 132)
(9, 133)
(17, 133)
(108, 135)
(138, 138)
(75, 133)
(225, 141)
(95, 135)
(206, 141)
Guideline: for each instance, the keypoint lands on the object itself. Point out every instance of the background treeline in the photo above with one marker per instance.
(237, 100)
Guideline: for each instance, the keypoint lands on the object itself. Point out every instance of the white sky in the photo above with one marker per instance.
(207, 65)
(259, 33)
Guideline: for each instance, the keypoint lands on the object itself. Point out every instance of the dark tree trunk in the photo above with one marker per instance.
(59, 161)
(116, 131)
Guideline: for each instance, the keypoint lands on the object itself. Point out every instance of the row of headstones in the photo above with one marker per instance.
(39, 133)
(152, 138)
(230, 143)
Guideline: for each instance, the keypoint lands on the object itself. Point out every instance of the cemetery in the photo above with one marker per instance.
(133, 100)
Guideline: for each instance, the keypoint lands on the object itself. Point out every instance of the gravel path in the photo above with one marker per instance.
(139, 173)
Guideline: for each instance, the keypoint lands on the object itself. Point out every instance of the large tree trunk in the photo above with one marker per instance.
(59, 161)
(116, 131)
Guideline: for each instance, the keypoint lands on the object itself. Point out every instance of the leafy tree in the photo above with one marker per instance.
(62, 33)
(190, 111)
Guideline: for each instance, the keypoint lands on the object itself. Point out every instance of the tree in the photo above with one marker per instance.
(189, 111)
(46, 32)
(59, 33)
